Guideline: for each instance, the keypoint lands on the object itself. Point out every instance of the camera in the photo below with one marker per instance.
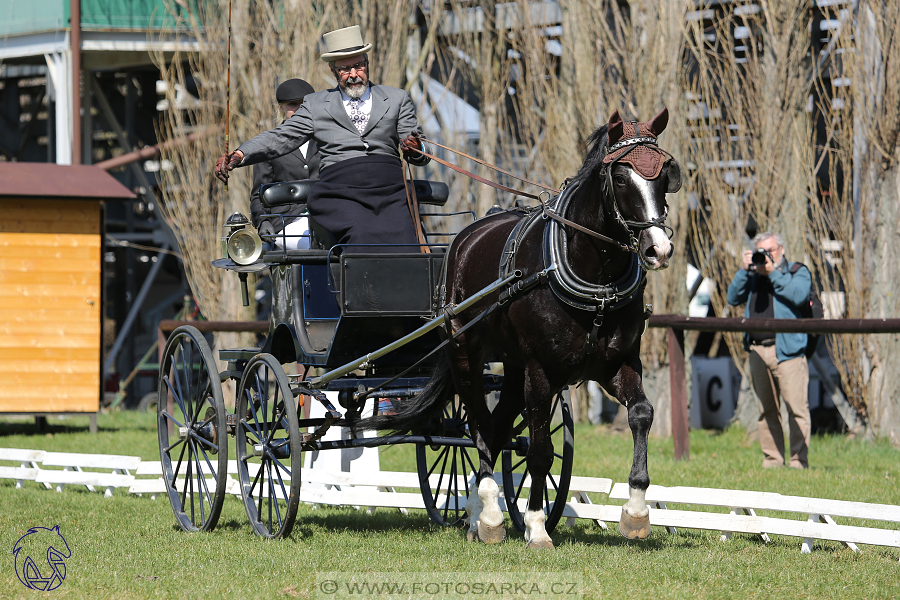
(759, 258)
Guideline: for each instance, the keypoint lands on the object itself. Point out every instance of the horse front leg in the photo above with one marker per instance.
(628, 388)
(538, 399)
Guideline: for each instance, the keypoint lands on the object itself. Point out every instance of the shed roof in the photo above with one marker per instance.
(49, 180)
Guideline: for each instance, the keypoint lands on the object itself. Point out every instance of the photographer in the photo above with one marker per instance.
(777, 361)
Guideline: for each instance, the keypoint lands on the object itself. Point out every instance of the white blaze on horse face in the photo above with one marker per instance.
(651, 211)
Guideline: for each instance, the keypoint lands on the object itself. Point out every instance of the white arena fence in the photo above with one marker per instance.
(378, 489)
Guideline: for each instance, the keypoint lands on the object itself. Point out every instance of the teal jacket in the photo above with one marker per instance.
(791, 292)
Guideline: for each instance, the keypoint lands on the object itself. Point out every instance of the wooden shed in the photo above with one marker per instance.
(51, 278)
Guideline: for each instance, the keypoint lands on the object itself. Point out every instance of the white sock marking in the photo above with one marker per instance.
(534, 526)
(489, 492)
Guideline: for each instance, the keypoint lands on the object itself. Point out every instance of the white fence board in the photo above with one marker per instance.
(21, 455)
(90, 461)
(91, 478)
(763, 501)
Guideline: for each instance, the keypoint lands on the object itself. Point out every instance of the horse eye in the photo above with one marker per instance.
(619, 179)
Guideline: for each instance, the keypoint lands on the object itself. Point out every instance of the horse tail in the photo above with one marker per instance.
(414, 414)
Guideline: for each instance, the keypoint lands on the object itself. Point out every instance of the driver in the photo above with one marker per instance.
(360, 196)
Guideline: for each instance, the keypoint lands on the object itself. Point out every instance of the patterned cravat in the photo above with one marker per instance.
(357, 116)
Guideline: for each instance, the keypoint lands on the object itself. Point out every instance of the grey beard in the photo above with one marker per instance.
(354, 89)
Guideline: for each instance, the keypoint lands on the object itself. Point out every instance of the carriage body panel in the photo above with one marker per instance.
(326, 313)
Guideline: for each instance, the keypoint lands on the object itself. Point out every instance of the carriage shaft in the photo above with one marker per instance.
(322, 381)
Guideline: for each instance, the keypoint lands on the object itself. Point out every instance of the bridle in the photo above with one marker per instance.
(608, 191)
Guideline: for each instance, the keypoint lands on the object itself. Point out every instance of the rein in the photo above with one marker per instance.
(490, 166)
(557, 217)
(547, 212)
(476, 177)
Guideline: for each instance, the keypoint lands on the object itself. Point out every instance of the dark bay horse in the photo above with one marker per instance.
(578, 315)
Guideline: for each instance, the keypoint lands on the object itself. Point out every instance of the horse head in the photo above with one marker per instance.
(635, 176)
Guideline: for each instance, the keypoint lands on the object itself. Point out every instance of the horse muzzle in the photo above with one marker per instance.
(655, 248)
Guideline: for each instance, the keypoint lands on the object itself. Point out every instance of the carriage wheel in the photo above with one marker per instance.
(193, 447)
(515, 471)
(444, 470)
(267, 439)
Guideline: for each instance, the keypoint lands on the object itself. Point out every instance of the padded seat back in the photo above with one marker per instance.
(434, 193)
(286, 192)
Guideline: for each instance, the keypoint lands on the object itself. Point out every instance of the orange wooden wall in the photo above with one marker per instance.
(50, 253)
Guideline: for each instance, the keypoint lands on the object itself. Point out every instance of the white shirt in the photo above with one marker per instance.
(365, 107)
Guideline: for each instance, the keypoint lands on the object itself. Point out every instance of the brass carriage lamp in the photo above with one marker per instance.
(240, 241)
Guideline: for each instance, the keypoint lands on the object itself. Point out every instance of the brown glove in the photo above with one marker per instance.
(412, 144)
(228, 162)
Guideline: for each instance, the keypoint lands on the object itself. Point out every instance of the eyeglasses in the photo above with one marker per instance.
(360, 66)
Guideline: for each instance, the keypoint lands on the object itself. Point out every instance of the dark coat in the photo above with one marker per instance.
(290, 167)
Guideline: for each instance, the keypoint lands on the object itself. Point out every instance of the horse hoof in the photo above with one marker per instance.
(491, 535)
(540, 545)
(634, 528)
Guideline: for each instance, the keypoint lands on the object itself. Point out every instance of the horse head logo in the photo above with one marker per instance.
(40, 557)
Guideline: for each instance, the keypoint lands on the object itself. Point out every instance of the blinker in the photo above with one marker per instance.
(673, 174)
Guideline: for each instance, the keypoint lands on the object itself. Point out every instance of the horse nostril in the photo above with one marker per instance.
(671, 251)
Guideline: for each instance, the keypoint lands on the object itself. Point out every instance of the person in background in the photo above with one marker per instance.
(302, 163)
(777, 360)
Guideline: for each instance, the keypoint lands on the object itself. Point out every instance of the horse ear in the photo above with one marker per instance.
(659, 122)
(614, 131)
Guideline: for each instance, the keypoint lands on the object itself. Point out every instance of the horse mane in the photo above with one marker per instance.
(596, 144)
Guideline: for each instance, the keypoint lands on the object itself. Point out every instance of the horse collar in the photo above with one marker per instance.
(573, 290)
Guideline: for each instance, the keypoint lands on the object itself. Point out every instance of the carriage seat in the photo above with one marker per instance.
(434, 193)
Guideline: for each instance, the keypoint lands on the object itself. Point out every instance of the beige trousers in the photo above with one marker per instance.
(790, 380)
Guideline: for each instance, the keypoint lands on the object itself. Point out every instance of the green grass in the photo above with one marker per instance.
(129, 547)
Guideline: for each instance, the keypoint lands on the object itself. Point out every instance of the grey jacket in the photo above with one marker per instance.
(322, 117)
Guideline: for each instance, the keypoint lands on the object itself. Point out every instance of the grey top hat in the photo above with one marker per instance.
(344, 43)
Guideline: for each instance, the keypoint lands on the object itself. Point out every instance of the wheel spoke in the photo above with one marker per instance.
(168, 449)
(178, 465)
(177, 395)
(445, 453)
(273, 500)
(201, 486)
(281, 481)
(278, 463)
(171, 418)
(188, 483)
(206, 442)
(259, 499)
(212, 469)
(255, 479)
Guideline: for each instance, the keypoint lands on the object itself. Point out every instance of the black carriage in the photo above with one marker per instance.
(369, 325)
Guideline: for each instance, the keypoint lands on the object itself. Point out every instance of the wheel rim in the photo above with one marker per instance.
(557, 487)
(191, 428)
(268, 447)
(444, 470)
